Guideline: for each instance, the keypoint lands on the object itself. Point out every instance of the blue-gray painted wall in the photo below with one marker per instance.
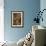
(30, 7)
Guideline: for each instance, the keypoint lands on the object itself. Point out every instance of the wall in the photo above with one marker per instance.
(30, 7)
(1, 21)
(43, 6)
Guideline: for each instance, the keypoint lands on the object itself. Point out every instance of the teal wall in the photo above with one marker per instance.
(30, 7)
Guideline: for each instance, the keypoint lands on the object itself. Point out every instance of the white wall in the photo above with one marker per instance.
(43, 6)
(1, 20)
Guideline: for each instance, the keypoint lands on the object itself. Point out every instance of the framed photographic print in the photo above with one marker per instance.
(17, 18)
